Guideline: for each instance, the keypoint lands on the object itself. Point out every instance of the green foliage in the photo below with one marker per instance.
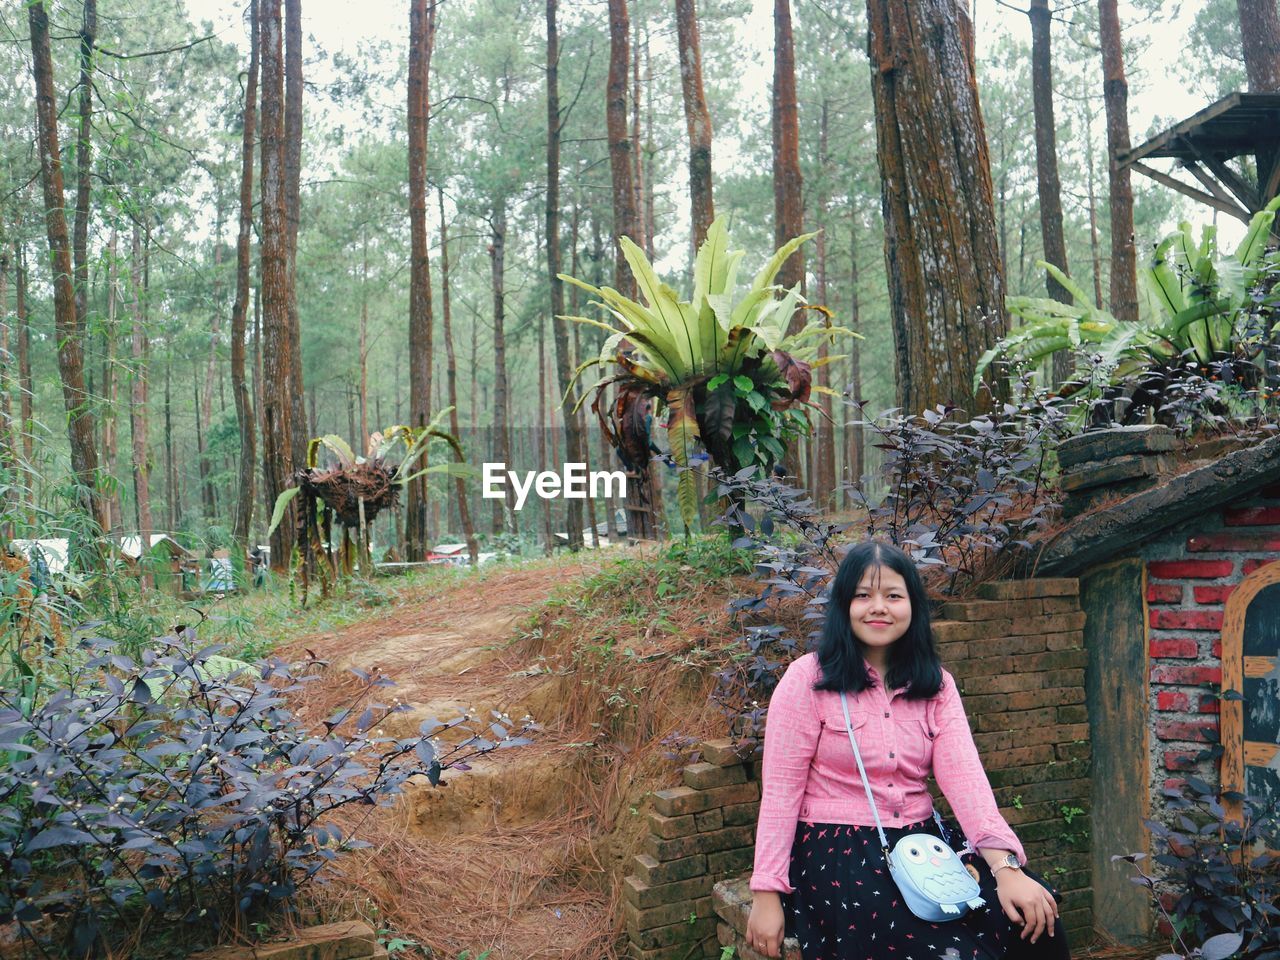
(1213, 311)
(721, 363)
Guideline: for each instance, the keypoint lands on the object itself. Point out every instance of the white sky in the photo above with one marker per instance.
(1155, 89)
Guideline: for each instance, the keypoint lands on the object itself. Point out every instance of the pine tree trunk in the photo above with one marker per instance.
(292, 187)
(25, 385)
(207, 494)
(625, 216)
(501, 427)
(941, 251)
(1090, 183)
(421, 40)
(80, 428)
(1115, 91)
(84, 161)
(138, 407)
(824, 452)
(1260, 33)
(364, 338)
(8, 435)
(697, 119)
(173, 501)
(451, 381)
(1048, 185)
(277, 363)
(854, 443)
(788, 203)
(239, 311)
(574, 452)
(110, 429)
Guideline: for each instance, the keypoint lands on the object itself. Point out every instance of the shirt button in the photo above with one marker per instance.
(896, 815)
(891, 784)
(886, 713)
(890, 754)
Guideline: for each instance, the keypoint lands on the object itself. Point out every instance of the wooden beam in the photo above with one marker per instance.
(1215, 188)
(1245, 191)
(1187, 126)
(1273, 184)
(1185, 188)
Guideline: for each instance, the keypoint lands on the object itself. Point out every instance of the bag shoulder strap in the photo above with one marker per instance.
(862, 772)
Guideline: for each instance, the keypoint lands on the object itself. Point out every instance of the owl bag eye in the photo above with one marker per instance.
(915, 854)
(940, 849)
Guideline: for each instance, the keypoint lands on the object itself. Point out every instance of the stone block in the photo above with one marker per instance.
(668, 827)
(730, 861)
(666, 914)
(706, 776)
(678, 801)
(640, 894)
(723, 753)
(740, 813)
(1114, 442)
(1026, 589)
(675, 933)
(654, 872)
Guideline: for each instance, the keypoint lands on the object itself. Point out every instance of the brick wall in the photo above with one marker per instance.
(1190, 574)
(1018, 656)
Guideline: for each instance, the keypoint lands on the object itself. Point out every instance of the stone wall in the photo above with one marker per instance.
(1018, 655)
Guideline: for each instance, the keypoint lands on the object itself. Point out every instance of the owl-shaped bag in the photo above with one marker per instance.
(930, 876)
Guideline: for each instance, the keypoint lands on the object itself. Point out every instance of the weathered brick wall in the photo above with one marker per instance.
(1190, 574)
(700, 832)
(1018, 656)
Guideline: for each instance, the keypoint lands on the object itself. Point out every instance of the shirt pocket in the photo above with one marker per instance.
(914, 745)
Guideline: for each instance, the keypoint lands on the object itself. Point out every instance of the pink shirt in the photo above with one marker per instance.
(809, 771)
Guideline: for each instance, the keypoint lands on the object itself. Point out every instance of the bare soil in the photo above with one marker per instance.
(522, 855)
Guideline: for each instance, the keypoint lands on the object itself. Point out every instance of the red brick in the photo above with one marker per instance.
(1184, 729)
(1216, 649)
(1252, 516)
(1189, 569)
(1164, 593)
(1208, 703)
(1179, 759)
(1252, 565)
(1233, 541)
(1183, 647)
(1216, 595)
(1173, 783)
(1172, 700)
(1186, 619)
(1185, 676)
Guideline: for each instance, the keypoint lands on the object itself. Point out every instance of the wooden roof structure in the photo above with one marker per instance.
(1240, 124)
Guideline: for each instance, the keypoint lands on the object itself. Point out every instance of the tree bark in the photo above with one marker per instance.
(824, 453)
(240, 309)
(1115, 92)
(625, 215)
(1048, 185)
(84, 161)
(277, 363)
(788, 203)
(364, 337)
(697, 119)
(422, 26)
(941, 251)
(25, 386)
(1260, 33)
(1090, 184)
(451, 381)
(292, 216)
(501, 424)
(854, 444)
(208, 495)
(80, 429)
(138, 408)
(110, 430)
(574, 452)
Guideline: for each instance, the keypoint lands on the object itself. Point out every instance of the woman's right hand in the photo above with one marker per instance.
(765, 925)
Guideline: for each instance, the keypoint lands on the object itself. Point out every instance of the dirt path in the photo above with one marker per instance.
(469, 867)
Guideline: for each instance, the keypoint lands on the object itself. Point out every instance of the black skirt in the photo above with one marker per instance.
(847, 907)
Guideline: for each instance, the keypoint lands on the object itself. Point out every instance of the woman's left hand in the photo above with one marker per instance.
(1026, 902)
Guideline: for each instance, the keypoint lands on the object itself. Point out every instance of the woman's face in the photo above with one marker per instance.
(880, 611)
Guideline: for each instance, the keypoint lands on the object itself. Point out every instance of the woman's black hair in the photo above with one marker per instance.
(913, 660)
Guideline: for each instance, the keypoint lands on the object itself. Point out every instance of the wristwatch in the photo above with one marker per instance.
(1011, 861)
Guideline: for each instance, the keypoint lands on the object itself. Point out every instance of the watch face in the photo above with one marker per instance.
(1011, 860)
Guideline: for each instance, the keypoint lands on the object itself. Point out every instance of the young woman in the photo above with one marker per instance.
(819, 871)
